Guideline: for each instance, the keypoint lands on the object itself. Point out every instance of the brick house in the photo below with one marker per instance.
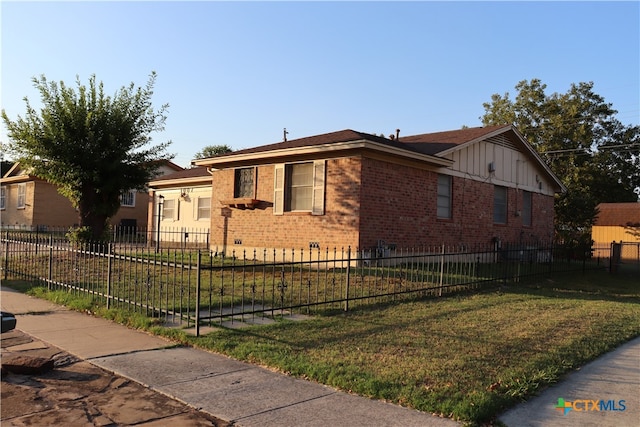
(347, 188)
(180, 207)
(31, 203)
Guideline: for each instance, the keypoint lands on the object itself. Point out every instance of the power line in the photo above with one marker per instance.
(570, 150)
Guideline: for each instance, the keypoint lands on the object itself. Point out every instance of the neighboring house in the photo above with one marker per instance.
(352, 189)
(183, 200)
(30, 203)
(616, 222)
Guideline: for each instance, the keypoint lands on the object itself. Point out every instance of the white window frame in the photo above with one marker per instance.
(203, 212)
(282, 188)
(128, 196)
(3, 197)
(444, 197)
(22, 196)
(173, 211)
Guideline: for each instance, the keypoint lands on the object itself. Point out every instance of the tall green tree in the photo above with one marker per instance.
(90, 145)
(213, 150)
(578, 134)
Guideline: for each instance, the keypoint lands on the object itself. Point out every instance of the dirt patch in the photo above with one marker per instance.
(77, 393)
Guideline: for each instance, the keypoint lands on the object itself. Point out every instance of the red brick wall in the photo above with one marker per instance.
(401, 206)
(260, 228)
(395, 203)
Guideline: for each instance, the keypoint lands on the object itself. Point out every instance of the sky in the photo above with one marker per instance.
(238, 73)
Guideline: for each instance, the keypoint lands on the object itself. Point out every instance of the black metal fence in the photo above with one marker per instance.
(194, 288)
(625, 257)
(162, 238)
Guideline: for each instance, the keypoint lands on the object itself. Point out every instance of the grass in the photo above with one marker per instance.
(467, 357)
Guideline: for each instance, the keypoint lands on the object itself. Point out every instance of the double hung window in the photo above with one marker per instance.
(204, 208)
(500, 205)
(299, 187)
(444, 197)
(22, 196)
(128, 198)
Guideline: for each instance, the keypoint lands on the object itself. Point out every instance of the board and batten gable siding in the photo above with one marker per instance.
(511, 167)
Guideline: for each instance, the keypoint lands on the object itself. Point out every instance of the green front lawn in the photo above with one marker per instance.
(465, 357)
(468, 357)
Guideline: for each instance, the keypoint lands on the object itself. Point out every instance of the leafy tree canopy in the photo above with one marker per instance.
(92, 146)
(213, 150)
(578, 134)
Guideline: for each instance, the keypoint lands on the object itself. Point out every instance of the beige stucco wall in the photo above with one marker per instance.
(185, 219)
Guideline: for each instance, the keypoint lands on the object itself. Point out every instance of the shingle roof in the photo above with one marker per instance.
(618, 214)
(433, 143)
(456, 137)
(426, 143)
(346, 135)
(194, 172)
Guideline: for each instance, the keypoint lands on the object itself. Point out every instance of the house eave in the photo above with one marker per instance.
(180, 182)
(18, 179)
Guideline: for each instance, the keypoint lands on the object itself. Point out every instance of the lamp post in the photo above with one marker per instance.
(160, 203)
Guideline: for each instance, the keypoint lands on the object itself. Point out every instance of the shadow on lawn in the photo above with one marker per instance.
(591, 285)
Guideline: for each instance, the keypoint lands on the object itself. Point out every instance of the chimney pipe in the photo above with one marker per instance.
(397, 134)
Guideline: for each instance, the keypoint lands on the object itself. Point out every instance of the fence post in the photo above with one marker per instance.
(50, 274)
(6, 256)
(198, 293)
(441, 270)
(346, 299)
(616, 254)
(109, 275)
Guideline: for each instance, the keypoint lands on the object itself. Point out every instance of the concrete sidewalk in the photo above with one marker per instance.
(248, 395)
(613, 378)
(241, 393)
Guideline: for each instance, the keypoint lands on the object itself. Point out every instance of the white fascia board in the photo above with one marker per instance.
(195, 181)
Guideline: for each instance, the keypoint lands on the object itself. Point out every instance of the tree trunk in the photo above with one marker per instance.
(89, 215)
(97, 224)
